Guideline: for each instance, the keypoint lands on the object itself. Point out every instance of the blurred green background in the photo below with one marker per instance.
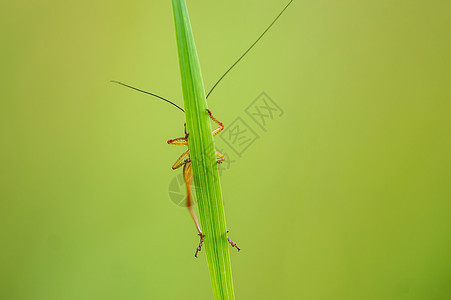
(346, 196)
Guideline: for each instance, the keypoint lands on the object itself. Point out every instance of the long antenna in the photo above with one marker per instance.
(249, 49)
(148, 93)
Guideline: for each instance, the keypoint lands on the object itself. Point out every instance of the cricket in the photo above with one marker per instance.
(184, 159)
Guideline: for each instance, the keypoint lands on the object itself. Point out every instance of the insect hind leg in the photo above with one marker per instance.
(188, 176)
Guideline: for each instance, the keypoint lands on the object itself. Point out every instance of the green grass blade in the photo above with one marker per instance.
(202, 154)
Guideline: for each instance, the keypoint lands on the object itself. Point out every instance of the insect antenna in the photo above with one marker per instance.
(249, 49)
(148, 93)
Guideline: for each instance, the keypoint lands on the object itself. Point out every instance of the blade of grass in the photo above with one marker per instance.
(202, 154)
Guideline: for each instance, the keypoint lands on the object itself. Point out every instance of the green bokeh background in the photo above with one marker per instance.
(346, 196)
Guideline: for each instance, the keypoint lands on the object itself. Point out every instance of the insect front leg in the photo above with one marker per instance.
(221, 126)
(182, 141)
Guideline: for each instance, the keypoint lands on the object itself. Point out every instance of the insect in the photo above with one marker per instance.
(184, 160)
